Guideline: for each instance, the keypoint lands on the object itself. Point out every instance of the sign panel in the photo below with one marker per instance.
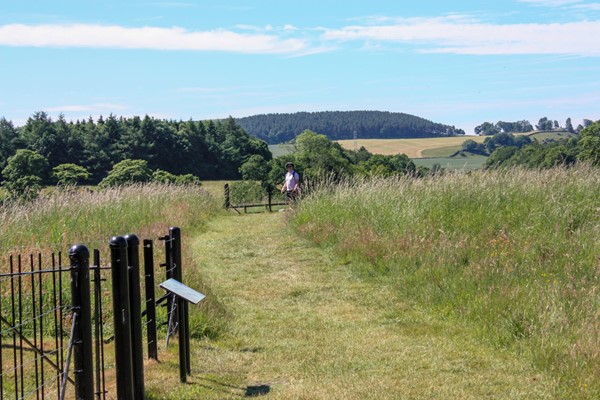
(183, 291)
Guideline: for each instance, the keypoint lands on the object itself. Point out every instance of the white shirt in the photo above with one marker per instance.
(291, 180)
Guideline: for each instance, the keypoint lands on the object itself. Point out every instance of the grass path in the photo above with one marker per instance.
(301, 325)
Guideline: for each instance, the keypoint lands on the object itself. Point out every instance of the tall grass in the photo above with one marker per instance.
(514, 254)
(61, 218)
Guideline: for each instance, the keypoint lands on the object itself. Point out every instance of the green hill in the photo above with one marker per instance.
(338, 125)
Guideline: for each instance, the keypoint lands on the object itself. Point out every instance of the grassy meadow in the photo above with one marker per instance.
(60, 218)
(463, 162)
(513, 255)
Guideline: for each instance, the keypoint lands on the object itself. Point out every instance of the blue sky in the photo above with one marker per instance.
(455, 62)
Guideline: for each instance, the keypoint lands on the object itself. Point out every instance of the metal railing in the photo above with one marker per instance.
(52, 342)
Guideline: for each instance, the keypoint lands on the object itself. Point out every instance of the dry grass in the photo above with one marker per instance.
(413, 148)
(302, 325)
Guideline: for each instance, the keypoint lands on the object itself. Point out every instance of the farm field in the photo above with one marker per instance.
(464, 163)
(549, 135)
(413, 148)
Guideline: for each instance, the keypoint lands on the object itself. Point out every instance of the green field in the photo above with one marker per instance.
(551, 135)
(279, 150)
(465, 163)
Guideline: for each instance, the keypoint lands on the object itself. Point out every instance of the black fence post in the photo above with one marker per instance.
(122, 318)
(227, 203)
(175, 236)
(150, 299)
(270, 197)
(168, 274)
(135, 306)
(82, 335)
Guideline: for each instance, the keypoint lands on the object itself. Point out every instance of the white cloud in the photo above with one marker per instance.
(150, 38)
(459, 37)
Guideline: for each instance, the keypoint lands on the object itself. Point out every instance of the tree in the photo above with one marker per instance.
(500, 156)
(558, 155)
(319, 156)
(187, 179)
(472, 146)
(487, 129)
(127, 172)
(381, 165)
(569, 126)
(589, 142)
(9, 140)
(70, 174)
(160, 176)
(255, 169)
(544, 124)
(24, 173)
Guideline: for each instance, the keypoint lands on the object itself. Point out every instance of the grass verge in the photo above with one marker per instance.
(513, 254)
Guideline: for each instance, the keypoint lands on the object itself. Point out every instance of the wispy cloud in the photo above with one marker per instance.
(150, 38)
(458, 36)
(568, 4)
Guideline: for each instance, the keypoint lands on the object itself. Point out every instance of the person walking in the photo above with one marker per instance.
(290, 186)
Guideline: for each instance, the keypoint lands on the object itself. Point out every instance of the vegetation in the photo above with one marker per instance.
(300, 325)
(61, 218)
(207, 150)
(512, 253)
(544, 124)
(317, 158)
(281, 128)
(585, 148)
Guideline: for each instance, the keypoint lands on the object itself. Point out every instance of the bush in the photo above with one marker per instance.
(127, 172)
(246, 192)
(24, 174)
(70, 174)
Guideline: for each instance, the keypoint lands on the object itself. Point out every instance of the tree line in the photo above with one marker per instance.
(317, 158)
(339, 125)
(507, 150)
(90, 149)
(524, 126)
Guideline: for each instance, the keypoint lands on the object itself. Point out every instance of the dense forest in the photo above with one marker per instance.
(338, 125)
(208, 150)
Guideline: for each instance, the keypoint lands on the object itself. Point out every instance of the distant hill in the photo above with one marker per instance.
(338, 125)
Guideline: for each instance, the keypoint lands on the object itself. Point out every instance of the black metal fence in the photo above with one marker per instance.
(56, 321)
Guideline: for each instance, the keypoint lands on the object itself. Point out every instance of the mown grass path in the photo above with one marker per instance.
(301, 325)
